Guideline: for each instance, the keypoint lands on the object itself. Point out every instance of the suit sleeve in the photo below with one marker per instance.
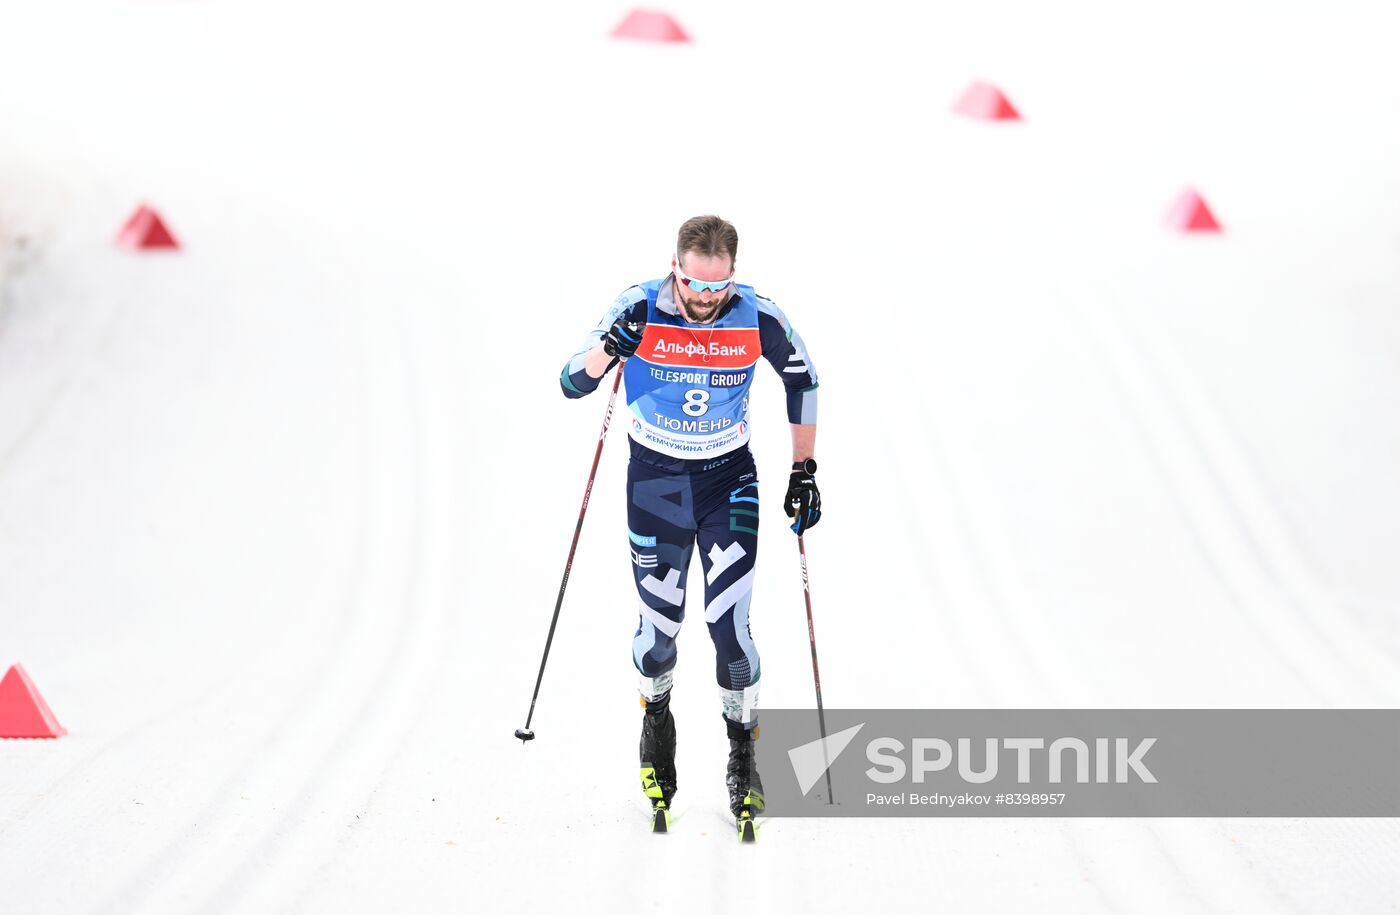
(785, 351)
(574, 380)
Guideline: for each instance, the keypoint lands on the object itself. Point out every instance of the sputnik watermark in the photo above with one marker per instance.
(1112, 759)
(1153, 762)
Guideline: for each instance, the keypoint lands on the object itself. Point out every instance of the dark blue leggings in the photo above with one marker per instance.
(668, 513)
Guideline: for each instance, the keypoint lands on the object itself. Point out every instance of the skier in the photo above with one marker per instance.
(689, 343)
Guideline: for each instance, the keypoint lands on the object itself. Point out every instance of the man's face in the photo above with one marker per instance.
(702, 306)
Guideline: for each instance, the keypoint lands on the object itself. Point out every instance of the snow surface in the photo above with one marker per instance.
(282, 516)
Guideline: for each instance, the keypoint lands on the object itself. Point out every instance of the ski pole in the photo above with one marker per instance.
(525, 733)
(816, 674)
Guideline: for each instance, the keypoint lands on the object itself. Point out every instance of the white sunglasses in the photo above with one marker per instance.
(699, 285)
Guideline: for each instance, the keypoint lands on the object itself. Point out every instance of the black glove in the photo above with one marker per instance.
(803, 502)
(622, 338)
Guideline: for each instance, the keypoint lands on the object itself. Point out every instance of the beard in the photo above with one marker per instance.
(696, 311)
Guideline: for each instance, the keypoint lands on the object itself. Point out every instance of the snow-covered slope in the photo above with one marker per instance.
(282, 516)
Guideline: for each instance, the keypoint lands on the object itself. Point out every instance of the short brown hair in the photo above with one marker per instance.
(708, 236)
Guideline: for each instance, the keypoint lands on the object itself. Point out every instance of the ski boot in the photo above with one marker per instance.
(741, 777)
(658, 753)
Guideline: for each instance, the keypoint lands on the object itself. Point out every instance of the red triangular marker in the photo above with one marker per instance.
(145, 229)
(650, 25)
(23, 712)
(985, 101)
(1190, 214)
